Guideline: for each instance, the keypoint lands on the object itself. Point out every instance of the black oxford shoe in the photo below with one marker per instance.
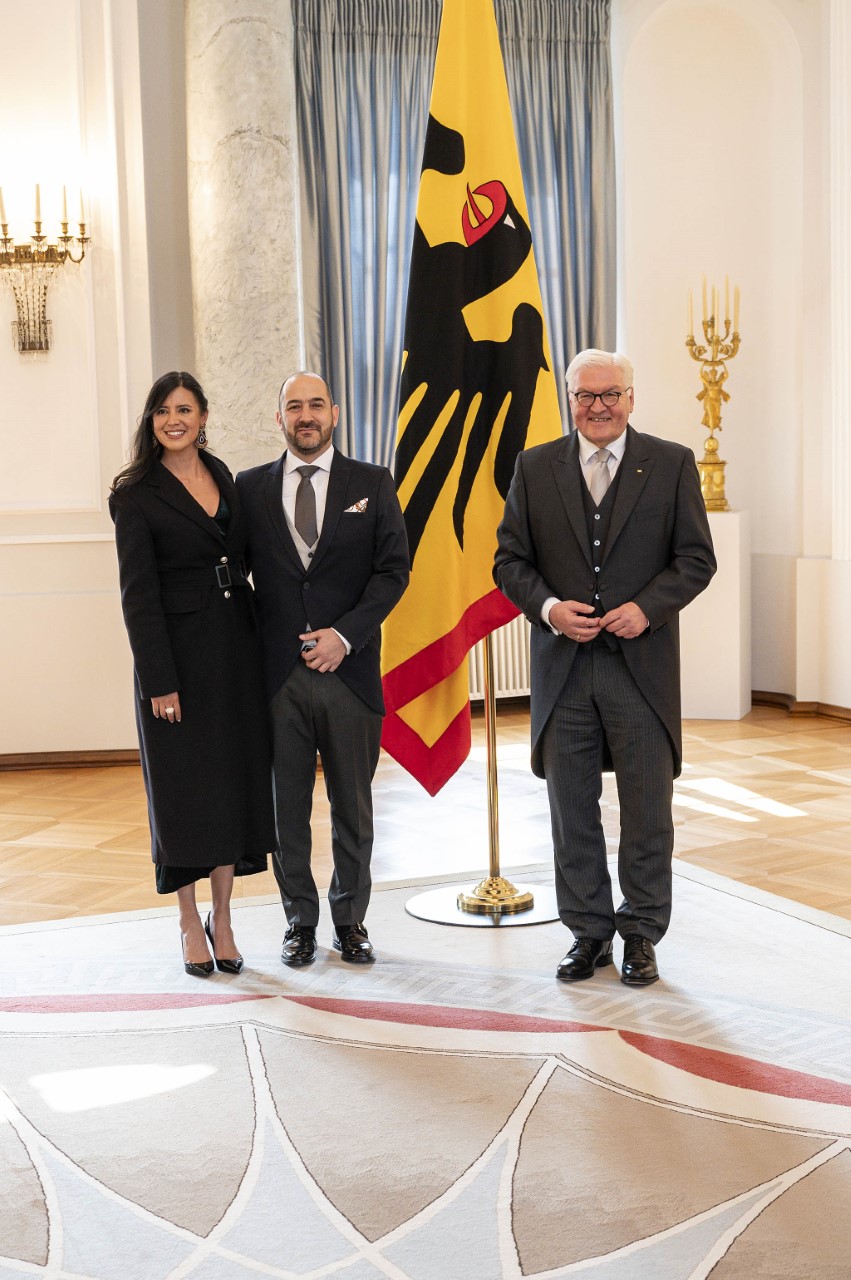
(639, 961)
(299, 945)
(586, 955)
(353, 944)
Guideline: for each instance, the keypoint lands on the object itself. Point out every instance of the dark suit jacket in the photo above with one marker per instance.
(359, 570)
(659, 555)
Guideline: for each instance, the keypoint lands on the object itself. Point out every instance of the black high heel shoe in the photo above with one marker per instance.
(225, 966)
(202, 970)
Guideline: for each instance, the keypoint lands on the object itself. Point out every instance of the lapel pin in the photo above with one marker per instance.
(639, 471)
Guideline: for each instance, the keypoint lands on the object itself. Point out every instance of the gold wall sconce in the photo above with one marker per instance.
(29, 267)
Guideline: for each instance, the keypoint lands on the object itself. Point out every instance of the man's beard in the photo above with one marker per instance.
(308, 446)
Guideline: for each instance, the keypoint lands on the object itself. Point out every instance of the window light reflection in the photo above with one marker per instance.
(93, 1088)
(703, 806)
(723, 790)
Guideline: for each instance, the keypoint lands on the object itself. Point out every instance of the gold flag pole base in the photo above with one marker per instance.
(495, 894)
(443, 906)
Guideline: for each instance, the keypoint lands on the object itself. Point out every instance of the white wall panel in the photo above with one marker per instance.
(70, 112)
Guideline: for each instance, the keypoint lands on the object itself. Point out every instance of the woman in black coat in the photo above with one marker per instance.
(200, 707)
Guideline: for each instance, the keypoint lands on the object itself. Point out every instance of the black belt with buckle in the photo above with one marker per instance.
(226, 576)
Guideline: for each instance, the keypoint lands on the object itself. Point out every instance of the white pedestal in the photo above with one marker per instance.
(715, 629)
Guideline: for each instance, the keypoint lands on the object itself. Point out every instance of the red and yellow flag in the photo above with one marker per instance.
(477, 387)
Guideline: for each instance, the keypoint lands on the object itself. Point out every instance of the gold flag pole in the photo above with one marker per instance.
(494, 894)
(494, 900)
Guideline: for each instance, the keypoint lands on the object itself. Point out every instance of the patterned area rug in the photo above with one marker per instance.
(448, 1114)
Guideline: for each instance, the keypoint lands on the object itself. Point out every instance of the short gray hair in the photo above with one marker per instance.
(592, 358)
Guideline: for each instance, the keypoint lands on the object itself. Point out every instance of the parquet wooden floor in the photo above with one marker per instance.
(765, 800)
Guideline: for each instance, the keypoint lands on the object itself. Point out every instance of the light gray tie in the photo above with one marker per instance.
(305, 506)
(600, 475)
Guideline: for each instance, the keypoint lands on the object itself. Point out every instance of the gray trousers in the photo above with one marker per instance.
(601, 704)
(314, 712)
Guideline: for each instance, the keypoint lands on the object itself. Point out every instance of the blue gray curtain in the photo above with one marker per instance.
(363, 75)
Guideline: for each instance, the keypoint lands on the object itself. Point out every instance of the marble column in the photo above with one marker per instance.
(241, 142)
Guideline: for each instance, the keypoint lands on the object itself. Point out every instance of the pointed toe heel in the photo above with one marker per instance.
(201, 970)
(235, 965)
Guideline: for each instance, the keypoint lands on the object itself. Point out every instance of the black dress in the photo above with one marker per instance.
(190, 619)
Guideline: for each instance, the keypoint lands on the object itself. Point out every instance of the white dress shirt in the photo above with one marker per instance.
(587, 450)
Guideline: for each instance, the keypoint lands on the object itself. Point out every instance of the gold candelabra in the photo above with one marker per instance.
(719, 345)
(31, 266)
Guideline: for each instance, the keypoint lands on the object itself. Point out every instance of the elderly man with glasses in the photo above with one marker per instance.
(604, 540)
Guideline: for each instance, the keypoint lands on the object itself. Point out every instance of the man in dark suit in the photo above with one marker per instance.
(329, 559)
(604, 540)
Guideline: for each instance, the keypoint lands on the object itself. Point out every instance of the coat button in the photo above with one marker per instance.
(227, 595)
(223, 560)
(305, 586)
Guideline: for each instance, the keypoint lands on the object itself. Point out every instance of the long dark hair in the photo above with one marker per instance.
(145, 449)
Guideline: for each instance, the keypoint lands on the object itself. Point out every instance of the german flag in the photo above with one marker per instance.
(477, 387)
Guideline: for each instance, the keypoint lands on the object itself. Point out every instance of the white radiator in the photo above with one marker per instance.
(510, 659)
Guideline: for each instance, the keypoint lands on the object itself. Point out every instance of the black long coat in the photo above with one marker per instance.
(208, 778)
(658, 554)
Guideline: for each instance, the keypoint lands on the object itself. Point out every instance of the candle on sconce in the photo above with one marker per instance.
(726, 299)
(65, 206)
(690, 316)
(37, 203)
(2, 208)
(82, 210)
(704, 300)
(714, 307)
(736, 309)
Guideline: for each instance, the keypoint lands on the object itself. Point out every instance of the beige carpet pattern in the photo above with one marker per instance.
(451, 1114)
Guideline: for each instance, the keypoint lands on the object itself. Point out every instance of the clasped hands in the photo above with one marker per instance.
(322, 650)
(576, 621)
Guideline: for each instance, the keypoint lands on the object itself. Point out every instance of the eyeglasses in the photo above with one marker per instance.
(609, 398)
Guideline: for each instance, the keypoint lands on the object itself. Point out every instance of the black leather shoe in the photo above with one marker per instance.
(299, 945)
(639, 961)
(353, 944)
(586, 955)
(201, 970)
(233, 965)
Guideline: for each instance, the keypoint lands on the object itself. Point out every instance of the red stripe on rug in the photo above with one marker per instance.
(741, 1073)
(128, 1003)
(436, 1015)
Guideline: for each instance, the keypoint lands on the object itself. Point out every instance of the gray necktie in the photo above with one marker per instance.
(305, 506)
(600, 475)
